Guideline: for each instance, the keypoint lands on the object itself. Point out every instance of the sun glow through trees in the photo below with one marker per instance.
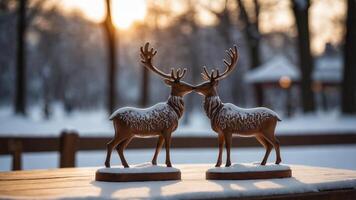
(125, 12)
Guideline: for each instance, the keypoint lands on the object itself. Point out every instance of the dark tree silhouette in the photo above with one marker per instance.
(225, 31)
(145, 78)
(301, 9)
(349, 81)
(145, 87)
(252, 36)
(190, 40)
(112, 51)
(224, 24)
(20, 93)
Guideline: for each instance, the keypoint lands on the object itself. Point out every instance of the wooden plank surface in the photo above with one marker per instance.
(310, 182)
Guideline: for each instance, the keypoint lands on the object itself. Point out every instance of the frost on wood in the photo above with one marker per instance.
(236, 118)
(249, 167)
(139, 168)
(158, 117)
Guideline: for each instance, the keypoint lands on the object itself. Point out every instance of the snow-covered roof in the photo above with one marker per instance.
(273, 70)
(328, 69)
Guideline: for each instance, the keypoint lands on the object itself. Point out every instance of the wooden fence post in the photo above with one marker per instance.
(69, 141)
(15, 149)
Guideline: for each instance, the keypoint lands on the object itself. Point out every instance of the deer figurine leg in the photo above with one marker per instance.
(275, 144)
(278, 153)
(267, 146)
(228, 140)
(269, 135)
(167, 141)
(120, 149)
(158, 149)
(110, 146)
(221, 146)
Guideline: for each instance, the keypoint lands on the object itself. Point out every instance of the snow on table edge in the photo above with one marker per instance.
(140, 168)
(249, 167)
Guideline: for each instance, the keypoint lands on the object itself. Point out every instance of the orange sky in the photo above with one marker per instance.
(322, 14)
(125, 12)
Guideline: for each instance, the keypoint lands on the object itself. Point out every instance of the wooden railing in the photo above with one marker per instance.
(69, 142)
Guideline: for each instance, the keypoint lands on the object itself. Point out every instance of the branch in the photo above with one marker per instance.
(35, 9)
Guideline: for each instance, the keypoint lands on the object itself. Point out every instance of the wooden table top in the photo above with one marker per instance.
(80, 183)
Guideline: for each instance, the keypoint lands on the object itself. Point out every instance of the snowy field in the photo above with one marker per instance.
(96, 122)
(334, 156)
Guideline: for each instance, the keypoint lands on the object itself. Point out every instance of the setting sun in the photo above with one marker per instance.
(125, 13)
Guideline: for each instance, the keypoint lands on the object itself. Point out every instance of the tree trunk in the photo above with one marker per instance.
(111, 45)
(191, 42)
(145, 87)
(349, 81)
(145, 79)
(20, 93)
(300, 9)
(252, 36)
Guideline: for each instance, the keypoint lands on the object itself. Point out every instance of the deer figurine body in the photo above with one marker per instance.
(158, 120)
(227, 119)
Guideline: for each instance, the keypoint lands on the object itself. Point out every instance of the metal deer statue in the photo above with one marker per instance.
(227, 119)
(159, 120)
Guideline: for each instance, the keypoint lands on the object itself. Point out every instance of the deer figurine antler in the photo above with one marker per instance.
(158, 120)
(229, 67)
(147, 56)
(227, 119)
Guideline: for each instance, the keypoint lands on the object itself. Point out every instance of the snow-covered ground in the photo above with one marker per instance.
(96, 122)
(334, 156)
(92, 123)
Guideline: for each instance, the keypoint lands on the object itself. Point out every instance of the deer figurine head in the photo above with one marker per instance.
(227, 119)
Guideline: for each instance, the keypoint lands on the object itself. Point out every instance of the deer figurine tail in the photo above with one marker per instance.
(274, 114)
(114, 114)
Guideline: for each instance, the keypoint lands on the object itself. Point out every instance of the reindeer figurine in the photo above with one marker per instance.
(227, 119)
(159, 120)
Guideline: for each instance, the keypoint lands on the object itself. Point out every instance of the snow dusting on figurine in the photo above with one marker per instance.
(154, 118)
(241, 119)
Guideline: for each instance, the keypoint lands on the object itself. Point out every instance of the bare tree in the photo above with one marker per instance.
(154, 14)
(112, 51)
(252, 36)
(224, 24)
(25, 17)
(349, 82)
(224, 28)
(7, 58)
(189, 37)
(301, 9)
(145, 83)
(20, 93)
